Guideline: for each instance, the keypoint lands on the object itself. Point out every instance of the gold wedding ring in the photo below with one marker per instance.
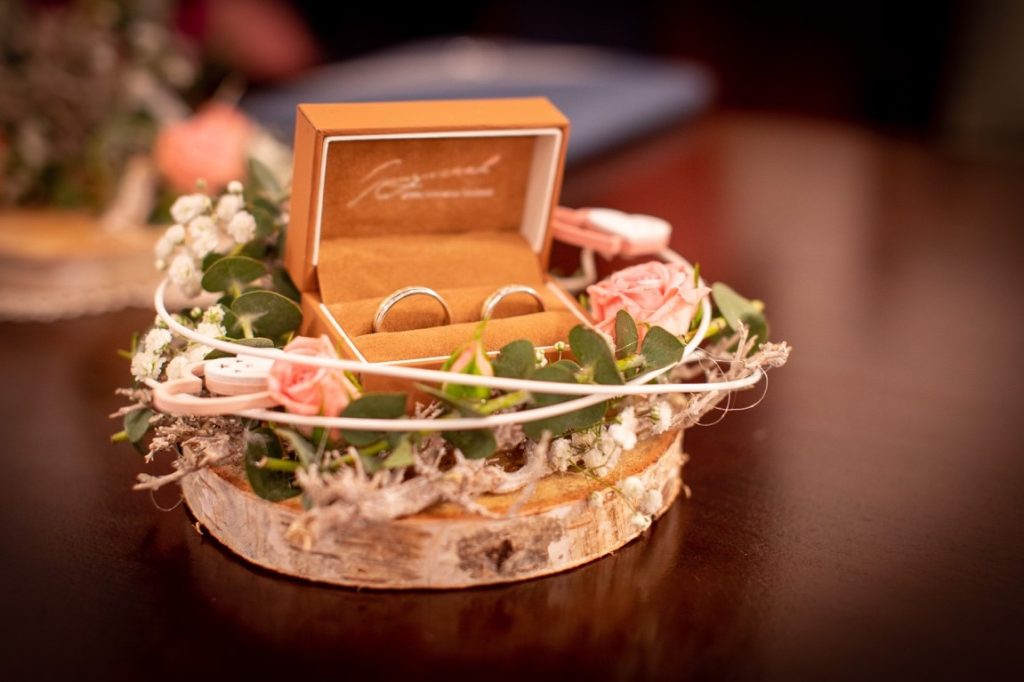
(388, 303)
(494, 299)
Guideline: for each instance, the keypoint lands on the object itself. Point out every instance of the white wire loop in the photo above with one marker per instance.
(591, 394)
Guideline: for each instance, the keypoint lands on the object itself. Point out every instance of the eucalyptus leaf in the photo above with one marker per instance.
(515, 360)
(232, 328)
(270, 485)
(660, 349)
(284, 285)
(265, 225)
(739, 311)
(210, 259)
(232, 273)
(593, 353)
(475, 444)
(256, 342)
(373, 406)
(136, 424)
(563, 371)
(262, 179)
(265, 204)
(303, 448)
(257, 249)
(626, 335)
(401, 455)
(267, 314)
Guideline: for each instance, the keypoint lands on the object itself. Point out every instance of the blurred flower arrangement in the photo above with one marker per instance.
(94, 112)
(83, 88)
(229, 247)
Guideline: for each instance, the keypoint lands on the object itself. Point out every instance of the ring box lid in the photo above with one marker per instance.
(416, 169)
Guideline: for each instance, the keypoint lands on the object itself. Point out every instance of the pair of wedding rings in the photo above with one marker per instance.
(486, 311)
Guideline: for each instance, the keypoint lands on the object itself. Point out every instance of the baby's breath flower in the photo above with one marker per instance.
(177, 367)
(157, 340)
(146, 365)
(540, 359)
(203, 236)
(560, 454)
(624, 432)
(594, 458)
(189, 206)
(632, 488)
(583, 440)
(242, 227)
(185, 274)
(196, 312)
(162, 250)
(228, 205)
(651, 502)
(661, 416)
(196, 352)
(175, 234)
(214, 314)
(640, 521)
(235, 187)
(210, 329)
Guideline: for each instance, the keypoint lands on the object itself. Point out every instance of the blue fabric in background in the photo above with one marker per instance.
(610, 97)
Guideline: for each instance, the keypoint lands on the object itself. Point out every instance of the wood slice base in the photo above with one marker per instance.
(560, 527)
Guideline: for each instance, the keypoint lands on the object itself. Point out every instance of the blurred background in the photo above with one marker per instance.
(857, 164)
(948, 71)
(948, 74)
(109, 109)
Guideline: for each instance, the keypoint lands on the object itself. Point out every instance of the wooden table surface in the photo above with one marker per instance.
(863, 522)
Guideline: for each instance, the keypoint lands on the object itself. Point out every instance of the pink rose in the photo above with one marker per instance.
(302, 389)
(210, 146)
(654, 293)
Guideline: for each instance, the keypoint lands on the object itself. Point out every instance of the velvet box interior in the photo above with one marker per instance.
(452, 195)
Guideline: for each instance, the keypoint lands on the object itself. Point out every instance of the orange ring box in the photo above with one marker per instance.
(455, 195)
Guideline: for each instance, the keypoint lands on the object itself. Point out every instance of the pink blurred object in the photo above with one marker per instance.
(210, 146)
(611, 232)
(181, 396)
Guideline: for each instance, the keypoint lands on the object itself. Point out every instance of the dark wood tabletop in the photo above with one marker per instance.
(864, 521)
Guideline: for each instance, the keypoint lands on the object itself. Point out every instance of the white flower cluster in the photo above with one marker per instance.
(149, 358)
(661, 416)
(199, 229)
(623, 431)
(646, 501)
(211, 323)
(158, 353)
(595, 450)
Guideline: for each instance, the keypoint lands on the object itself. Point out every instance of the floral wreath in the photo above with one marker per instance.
(491, 423)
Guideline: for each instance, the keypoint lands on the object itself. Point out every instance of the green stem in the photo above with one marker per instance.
(276, 464)
(379, 446)
(246, 327)
(718, 324)
(631, 361)
(503, 402)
